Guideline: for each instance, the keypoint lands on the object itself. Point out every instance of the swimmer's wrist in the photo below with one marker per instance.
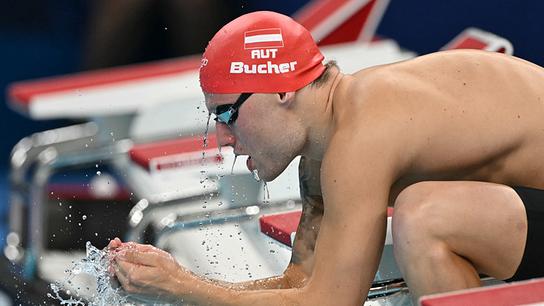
(187, 287)
(193, 288)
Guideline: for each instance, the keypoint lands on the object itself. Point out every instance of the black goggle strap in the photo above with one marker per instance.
(230, 110)
(241, 99)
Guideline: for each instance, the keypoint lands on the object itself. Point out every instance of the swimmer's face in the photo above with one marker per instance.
(262, 130)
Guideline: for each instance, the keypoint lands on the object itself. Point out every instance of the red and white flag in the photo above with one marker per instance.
(265, 38)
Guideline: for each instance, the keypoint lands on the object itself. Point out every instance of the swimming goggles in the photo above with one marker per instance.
(227, 113)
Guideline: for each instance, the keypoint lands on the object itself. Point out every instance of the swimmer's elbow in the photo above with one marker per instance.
(295, 276)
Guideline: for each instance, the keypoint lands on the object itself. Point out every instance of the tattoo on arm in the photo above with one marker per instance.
(312, 210)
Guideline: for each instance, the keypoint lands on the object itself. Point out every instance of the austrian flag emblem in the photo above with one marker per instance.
(262, 39)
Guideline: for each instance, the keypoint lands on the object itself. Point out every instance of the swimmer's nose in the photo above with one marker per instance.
(224, 135)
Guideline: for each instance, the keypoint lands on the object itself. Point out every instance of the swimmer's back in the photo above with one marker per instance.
(464, 114)
(465, 75)
(479, 70)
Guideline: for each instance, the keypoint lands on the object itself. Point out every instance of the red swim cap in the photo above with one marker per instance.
(260, 52)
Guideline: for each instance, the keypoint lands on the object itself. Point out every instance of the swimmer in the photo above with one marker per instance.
(453, 140)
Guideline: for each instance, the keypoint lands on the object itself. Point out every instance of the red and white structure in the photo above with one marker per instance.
(342, 21)
(107, 92)
(527, 293)
(474, 38)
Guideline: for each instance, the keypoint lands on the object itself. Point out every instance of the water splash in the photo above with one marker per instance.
(70, 301)
(96, 264)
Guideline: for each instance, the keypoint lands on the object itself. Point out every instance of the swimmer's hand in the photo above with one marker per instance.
(112, 250)
(114, 244)
(148, 273)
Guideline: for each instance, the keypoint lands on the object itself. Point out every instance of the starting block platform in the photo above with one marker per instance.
(524, 293)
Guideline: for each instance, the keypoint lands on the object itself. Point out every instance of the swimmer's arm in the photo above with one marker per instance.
(300, 267)
(356, 187)
(302, 258)
(350, 240)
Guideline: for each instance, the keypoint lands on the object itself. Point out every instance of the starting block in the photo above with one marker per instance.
(526, 293)
(473, 38)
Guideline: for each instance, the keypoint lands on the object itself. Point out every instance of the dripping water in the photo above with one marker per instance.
(204, 146)
(207, 130)
(233, 163)
(266, 194)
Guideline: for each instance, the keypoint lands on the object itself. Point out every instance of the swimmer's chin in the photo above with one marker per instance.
(268, 176)
(262, 174)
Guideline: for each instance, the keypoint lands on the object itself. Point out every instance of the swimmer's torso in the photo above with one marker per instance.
(458, 115)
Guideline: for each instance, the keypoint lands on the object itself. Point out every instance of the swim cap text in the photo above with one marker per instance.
(263, 53)
(268, 68)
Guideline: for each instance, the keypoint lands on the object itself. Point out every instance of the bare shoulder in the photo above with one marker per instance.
(374, 130)
(372, 105)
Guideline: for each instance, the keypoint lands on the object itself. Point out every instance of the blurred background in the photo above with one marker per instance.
(49, 38)
(46, 38)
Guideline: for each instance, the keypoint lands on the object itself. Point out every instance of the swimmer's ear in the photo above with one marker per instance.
(286, 97)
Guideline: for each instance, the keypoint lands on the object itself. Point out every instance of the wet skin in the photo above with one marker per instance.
(441, 137)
